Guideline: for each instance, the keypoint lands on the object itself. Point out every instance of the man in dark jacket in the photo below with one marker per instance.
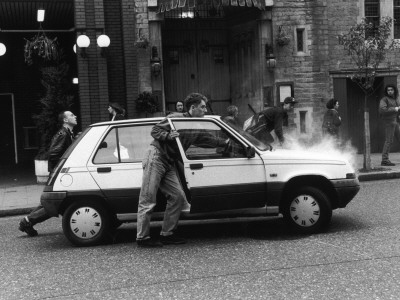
(270, 119)
(59, 143)
(160, 172)
(389, 107)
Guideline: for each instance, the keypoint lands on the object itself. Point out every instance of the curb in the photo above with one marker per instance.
(378, 176)
(15, 212)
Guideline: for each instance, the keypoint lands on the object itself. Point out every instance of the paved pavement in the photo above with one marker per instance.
(20, 196)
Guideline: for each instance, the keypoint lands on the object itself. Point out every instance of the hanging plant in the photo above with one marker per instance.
(147, 103)
(282, 38)
(40, 47)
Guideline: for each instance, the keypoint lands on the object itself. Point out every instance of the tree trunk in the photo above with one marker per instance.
(367, 137)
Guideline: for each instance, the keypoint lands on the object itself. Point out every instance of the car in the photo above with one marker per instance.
(95, 186)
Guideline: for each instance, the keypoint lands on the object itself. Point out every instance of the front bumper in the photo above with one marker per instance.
(346, 189)
(51, 202)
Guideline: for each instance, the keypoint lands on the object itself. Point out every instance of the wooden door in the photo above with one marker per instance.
(196, 60)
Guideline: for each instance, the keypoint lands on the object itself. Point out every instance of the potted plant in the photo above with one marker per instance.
(282, 38)
(55, 100)
(147, 103)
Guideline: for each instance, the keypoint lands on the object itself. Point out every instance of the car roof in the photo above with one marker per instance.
(147, 120)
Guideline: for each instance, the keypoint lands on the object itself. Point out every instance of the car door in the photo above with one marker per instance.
(219, 175)
(116, 165)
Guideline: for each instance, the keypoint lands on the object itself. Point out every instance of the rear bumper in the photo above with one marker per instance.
(51, 202)
(346, 189)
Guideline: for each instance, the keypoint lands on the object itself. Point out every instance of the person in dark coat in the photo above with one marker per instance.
(116, 111)
(270, 119)
(332, 120)
(389, 107)
(59, 144)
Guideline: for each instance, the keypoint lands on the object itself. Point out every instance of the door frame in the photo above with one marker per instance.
(14, 124)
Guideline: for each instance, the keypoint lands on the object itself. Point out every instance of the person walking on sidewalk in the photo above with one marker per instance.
(389, 107)
(59, 143)
(160, 172)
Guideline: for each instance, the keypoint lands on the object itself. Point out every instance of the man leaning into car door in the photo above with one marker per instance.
(159, 172)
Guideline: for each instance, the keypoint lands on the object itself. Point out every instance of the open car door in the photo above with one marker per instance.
(219, 173)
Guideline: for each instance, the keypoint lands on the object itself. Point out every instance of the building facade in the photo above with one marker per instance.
(249, 53)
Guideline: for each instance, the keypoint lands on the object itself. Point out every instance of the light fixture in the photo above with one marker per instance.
(103, 41)
(74, 48)
(3, 49)
(40, 15)
(271, 63)
(83, 42)
(75, 80)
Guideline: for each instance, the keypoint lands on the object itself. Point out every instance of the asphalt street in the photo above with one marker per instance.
(357, 258)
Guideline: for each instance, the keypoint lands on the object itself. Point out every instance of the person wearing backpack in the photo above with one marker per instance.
(332, 120)
(389, 107)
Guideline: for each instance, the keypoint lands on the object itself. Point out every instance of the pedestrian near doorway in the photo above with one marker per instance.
(231, 117)
(116, 111)
(160, 172)
(389, 107)
(332, 120)
(179, 107)
(59, 144)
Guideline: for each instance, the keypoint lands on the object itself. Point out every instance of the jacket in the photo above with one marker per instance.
(59, 144)
(331, 122)
(387, 109)
(275, 117)
(169, 148)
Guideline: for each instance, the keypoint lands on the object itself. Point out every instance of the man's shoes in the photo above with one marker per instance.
(172, 239)
(387, 163)
(149, 243)
(26, 226)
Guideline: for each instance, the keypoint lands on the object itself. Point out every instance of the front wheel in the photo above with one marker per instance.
(307, 210)
(86, 223)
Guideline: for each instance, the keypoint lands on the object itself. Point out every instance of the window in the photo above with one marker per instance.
(372, 12)
(206, 140)
(124, 144)
(303, 121)
(300, 39)
(396, 17)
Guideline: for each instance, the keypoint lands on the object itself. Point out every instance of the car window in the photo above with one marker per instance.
(207, 140)
(124, 144)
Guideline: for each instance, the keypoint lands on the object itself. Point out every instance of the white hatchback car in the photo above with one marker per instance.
(96, 184)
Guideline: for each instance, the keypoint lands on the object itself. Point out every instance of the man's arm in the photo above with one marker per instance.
(384, 108)
(162, 132)
(57, 146)
(278, 123)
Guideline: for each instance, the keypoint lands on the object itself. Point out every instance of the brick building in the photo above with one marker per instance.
(250, 53)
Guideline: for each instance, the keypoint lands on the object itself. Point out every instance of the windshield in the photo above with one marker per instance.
(256, 142)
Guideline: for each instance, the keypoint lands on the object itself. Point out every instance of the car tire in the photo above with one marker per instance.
(87, 223)
(307, 210)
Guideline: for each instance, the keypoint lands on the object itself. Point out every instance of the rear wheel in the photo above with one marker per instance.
(87, 223)
(307, 210)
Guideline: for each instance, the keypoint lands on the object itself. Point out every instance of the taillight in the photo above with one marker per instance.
(54, 173)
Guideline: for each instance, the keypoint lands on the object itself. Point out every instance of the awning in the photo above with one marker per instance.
(167, 5)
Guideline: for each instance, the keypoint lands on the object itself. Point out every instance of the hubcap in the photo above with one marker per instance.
(85, 222)
(304, 210)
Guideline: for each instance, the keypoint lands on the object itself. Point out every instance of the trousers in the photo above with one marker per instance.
(159, 173)
(392, 130)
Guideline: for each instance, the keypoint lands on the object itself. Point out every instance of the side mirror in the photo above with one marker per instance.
(250, 152)
(103, 145)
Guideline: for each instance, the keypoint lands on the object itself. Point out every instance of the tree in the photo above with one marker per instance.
(55, 100)
(368, 46)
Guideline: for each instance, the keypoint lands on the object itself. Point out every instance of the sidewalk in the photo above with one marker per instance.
(20, 196)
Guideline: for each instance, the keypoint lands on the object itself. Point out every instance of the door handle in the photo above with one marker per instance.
(196, 166)
(104, 170)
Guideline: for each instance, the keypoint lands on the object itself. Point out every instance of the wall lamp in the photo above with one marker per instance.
(83, 42)
(3, 49)
(269, 57)
(40, 15)
(155, 62)
(103, 41)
